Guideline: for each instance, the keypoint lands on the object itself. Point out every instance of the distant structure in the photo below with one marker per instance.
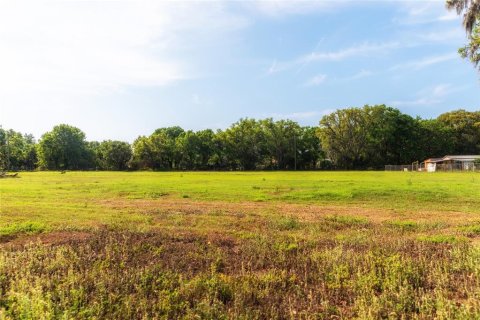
(452, 163)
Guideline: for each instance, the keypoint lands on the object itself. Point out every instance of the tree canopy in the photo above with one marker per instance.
(471, 21)
(63, 148)
(352, 138)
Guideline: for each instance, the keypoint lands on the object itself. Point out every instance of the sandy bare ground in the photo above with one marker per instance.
(304, 212)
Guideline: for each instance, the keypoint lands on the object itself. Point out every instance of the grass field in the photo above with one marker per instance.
(261, 245)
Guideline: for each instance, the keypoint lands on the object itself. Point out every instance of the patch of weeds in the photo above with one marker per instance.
(287, 246)
(439, 238)
(256, 188)
(410, 226)
(122, 194)
(471, 230)
(155, 195)
(287, 223)
(433, 225)
(23, 227)
(185, 196)
(352, 238)
(340, 221)
(403, 226)
(217, 212)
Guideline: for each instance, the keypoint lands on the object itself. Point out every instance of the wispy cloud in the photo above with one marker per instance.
(428, 96)
(425, 62)
(200, 101)
(365, 49)
(424, 12)
(316, 80)
(353, 51)
(273, 67)
(360, 75)
(441, 36)
(305, 115)
(280, 8)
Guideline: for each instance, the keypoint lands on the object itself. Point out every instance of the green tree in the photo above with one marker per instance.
(471, 21)
(435, 139)
(344, 137)
(143, 153)
(465, 127)
(392, 136)
(64, 148)
(195, 149)
(158, 151)
(280, 143)
(244, 143)
(114, 155)
(369, 137)
(17, 151)
(309, 150)
(219, 159)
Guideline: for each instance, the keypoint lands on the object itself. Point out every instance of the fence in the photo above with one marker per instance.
(402, 167)
(465, 166)
(442, 167)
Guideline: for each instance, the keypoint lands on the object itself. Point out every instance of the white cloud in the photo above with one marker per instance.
(442, 90)
(69, 48)
(363, 49)
(280, 8)
(443, 36)
(316, 80)
(273, 67)
(306, 115)
(425, 62)
(360, 75)
(428, 96)
(200, 101)
(423, 12)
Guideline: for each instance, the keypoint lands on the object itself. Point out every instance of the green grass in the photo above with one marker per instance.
(237, 245)
(76, 197)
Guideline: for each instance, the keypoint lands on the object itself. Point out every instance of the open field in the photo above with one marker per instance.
(261, 245)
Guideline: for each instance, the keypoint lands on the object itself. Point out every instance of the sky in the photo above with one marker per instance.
(120, 69)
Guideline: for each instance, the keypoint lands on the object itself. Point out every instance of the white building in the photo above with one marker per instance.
(451, 163)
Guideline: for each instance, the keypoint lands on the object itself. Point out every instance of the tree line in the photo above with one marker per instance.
(351, 138)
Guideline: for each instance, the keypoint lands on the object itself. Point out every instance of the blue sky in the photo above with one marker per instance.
(119, 69)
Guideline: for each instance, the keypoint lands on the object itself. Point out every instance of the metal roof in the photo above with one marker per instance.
(461, 158)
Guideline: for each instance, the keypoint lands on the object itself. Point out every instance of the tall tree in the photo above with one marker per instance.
(114, 155)
(244, 144)
(17, 151)
(471, 21)
(281, 147)
(436, 139)
(64, 148)
(391, 136)
(159, 150)
(343, 135)
(309, 150)
(465, 126)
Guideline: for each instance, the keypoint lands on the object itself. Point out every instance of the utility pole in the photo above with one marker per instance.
(295, 149)
(7, 163)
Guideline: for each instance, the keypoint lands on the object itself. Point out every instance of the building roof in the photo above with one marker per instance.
(454, 158)
(462, 157)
